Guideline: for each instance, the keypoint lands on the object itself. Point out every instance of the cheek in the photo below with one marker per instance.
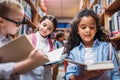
(80, 31)
(94, 32)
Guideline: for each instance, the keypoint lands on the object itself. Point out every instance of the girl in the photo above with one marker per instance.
(87, 44)
(11, 19)
(41, 40)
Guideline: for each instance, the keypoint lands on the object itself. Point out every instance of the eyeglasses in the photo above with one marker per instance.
(17, 23)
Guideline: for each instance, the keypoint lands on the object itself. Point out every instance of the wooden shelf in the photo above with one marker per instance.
(32, 5)
(115, 38)
(114, 7)
(101, 16)
(31, 24)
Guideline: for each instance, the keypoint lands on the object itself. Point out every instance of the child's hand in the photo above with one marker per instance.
(92, 74)
(36, 55)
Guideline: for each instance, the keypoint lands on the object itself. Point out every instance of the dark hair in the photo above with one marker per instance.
(74, 39)
(52, 19)
(59, 35)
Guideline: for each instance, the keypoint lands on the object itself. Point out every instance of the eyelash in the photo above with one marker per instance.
(44, 25)
(91, 27)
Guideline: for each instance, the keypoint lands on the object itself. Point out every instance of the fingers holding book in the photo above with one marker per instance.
(36, 55)
(93, 74)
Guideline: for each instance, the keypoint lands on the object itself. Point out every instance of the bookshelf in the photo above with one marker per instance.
(108, 10)
(32, 15)
(35, 15)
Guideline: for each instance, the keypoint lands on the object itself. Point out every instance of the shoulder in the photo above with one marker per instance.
(100, 43)
(103, 43)
(75, 50)
(30, 37)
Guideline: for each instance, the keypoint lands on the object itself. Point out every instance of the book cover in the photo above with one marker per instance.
(16, 50)
(105, 65)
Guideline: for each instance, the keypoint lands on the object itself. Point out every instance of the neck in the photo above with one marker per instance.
(2, 31)
(88, 44)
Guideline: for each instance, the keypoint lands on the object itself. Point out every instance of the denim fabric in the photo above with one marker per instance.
(100, 52)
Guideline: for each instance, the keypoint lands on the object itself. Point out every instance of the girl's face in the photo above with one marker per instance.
(87, 29)
(46, 27)
(12, 23)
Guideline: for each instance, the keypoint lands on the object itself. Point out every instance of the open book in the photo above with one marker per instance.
(17, 50)
(20, 48)
(55, 56)
(105, 65)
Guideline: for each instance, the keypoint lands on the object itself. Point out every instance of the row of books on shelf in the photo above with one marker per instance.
(109, 2)
(114, 24)
(101, 2)
(99, 5)
(25, 29)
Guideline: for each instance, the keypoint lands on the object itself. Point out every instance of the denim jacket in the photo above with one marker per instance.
(100, 52)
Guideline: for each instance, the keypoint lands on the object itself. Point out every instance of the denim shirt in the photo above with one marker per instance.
(100, 52)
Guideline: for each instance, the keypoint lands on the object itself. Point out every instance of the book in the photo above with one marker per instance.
(55, 56)
(105, 65)
(18, 50)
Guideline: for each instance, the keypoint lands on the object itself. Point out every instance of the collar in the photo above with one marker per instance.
(95, 44)
(40, 37)
(2, 37)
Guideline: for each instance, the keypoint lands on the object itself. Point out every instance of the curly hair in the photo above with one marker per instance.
(74, 39)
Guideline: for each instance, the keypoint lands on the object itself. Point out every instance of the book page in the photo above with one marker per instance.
(73, 62)
(106, 65)
(55, 55)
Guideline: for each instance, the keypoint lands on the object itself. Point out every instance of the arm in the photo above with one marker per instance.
(30, 63)
(72, 70)
(115, 72)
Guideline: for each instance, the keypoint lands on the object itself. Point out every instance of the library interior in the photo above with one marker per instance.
(108, 12)
(65, 10)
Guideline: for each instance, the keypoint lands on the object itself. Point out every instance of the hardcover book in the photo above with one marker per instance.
(105, 65)
(18, 50)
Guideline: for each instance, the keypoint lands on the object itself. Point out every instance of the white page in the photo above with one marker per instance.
(55, 54)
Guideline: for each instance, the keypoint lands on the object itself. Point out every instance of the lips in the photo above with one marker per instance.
(87, 35)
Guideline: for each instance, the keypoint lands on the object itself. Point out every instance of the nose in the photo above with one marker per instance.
(87, 29)
(45, 28)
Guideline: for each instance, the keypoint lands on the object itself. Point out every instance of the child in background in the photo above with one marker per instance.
(88, 44)
(60, 37)
(11, 19)
(41, 40)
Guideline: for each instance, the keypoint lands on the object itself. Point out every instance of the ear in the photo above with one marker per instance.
(1, 20)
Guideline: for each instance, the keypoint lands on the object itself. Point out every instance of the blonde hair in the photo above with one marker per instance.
(7, 7)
